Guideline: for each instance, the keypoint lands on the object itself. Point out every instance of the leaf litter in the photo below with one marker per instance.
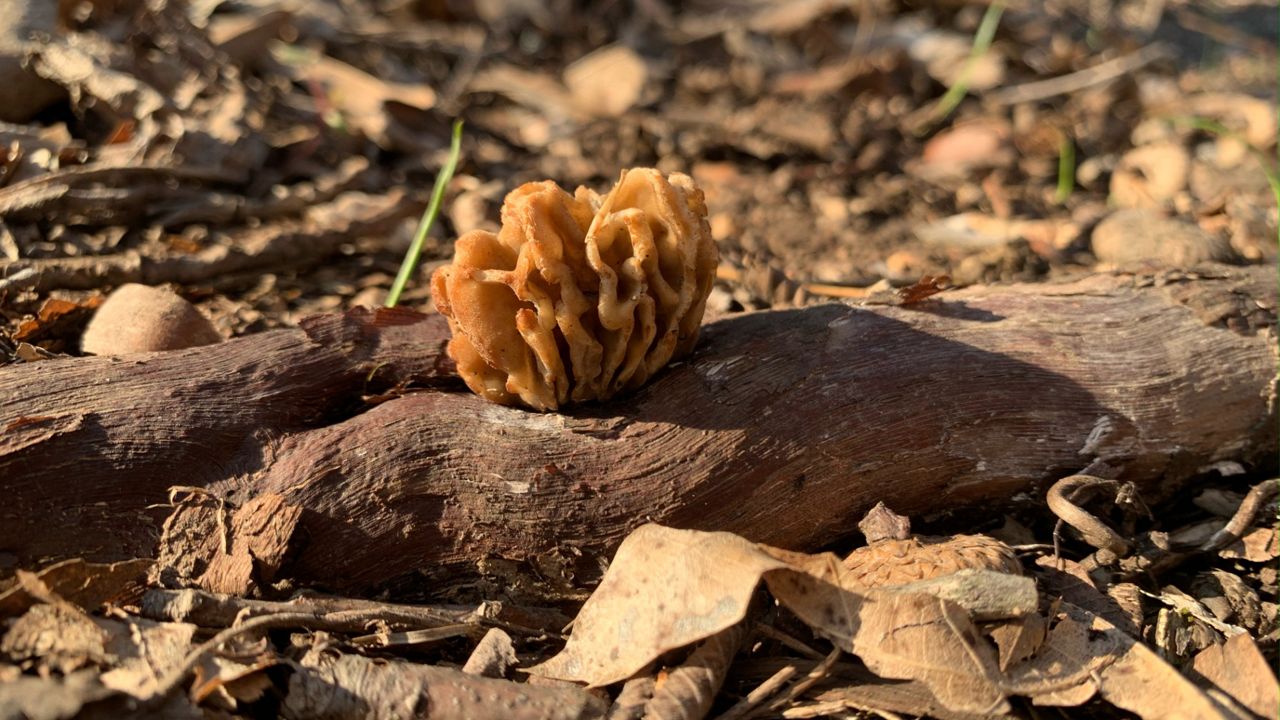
(257, 157)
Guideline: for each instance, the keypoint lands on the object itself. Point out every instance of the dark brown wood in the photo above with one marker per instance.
(783, 426)
(89, 445)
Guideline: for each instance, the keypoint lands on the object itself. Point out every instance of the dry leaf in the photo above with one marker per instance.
(669, 588)
(50, 698)
(1085, 654)
(1238, 668)
(327, 684)
(360, 97)
(926, 287)
(608, 81)
(57, 637)
(665, 589)
(54, 312)
(1260, 544)
(1019, 638)
(900, 636)
(143, 652)
(980, 143)
(86, 585)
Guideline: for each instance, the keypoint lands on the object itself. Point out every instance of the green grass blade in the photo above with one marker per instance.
(433, 209)
(1066, 169)
(981, 44)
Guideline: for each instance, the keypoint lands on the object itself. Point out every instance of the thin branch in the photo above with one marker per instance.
(1073, 82)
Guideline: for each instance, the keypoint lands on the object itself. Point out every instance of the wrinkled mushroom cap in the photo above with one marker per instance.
(579, 297)
(902, 561)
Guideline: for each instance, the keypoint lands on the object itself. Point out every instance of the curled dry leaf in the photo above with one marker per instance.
(980, 143)
(579, 297)
(83, 584)
(1085, 655)
(669, 588)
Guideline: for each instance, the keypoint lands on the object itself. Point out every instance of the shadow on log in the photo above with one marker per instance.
(783, 426)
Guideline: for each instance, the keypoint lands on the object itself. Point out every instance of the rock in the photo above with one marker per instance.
(1150, 176)
(140, 318)
(981, 143)
(607, 82)
(1142, 235)
(22, 92)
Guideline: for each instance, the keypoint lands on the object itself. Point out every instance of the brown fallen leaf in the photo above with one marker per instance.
(1260, 544)
(47, 698)
(981, 143)
(900, 636)
(1085, 655)
(1238, 668)
(668, 588)
(53, 314)
(1019, 638)
(58, 637)
(329, 684)
(83, 584)
(144, 651)
(926, 287)
(360, 97)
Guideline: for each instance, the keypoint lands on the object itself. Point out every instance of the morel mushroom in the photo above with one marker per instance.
(893, 556)
(579, 297)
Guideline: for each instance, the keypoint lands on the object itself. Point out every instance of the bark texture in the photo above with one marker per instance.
(783, 426)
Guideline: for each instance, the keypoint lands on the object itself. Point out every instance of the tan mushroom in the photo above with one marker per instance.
(579, 297)
(893, 556)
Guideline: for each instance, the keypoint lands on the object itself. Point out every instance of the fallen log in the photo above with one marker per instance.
(783, 426)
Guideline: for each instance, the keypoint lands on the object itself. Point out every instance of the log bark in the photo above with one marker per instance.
(783, 426)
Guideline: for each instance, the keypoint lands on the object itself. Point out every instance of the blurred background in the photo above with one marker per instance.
(270, 159)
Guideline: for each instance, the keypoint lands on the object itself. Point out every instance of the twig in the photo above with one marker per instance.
(292, 244)
(208, 609)
(1072, 82)
(1260, 495)
(762, 692)
(177, 676)
(774, 633)
(816, 675)
(1061, 499)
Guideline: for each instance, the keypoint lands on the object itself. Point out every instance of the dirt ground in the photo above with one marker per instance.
(270, 160)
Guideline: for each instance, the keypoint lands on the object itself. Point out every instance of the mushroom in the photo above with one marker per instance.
(579, 297)
(893, 556)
